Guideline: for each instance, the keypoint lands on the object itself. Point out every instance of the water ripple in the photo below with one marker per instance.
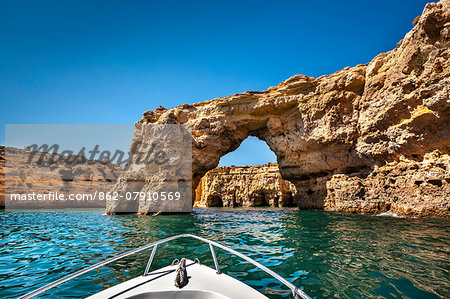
(327, 254)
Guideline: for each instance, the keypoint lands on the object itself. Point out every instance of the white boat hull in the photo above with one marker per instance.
(204, 283)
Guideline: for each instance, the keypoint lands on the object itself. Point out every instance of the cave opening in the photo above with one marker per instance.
(246, 177)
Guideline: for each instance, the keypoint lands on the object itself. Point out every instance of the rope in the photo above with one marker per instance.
(181, 278)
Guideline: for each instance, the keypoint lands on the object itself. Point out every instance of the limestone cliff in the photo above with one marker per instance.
(404, 187)
(244, 186)
(343, 139)
(25, 173)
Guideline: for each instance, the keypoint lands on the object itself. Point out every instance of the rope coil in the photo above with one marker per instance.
(181, 278)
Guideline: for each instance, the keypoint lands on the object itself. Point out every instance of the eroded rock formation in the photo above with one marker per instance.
(342, 138)
(244, 186)
(404, 187)
(28, 172)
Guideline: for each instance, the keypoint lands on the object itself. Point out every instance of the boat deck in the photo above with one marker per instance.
(204, 282)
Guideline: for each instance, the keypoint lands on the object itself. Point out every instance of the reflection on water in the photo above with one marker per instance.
(328, 254)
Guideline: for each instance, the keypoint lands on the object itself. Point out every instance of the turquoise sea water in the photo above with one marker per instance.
(327, 254)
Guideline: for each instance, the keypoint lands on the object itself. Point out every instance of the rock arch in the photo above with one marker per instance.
(330, 134)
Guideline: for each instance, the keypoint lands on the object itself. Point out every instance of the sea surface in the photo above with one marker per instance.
(327, 254)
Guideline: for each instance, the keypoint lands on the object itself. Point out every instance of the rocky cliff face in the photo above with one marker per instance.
(404, 187)
(25, 173)
(354, 140)
(244, 186)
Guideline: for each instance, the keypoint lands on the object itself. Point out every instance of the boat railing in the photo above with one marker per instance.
(296, 292)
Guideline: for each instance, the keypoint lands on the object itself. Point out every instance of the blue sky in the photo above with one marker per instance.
(106, 62)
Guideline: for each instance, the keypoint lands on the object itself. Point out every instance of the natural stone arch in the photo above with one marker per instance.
(285, 119)
(331, 133)
(276, 118)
